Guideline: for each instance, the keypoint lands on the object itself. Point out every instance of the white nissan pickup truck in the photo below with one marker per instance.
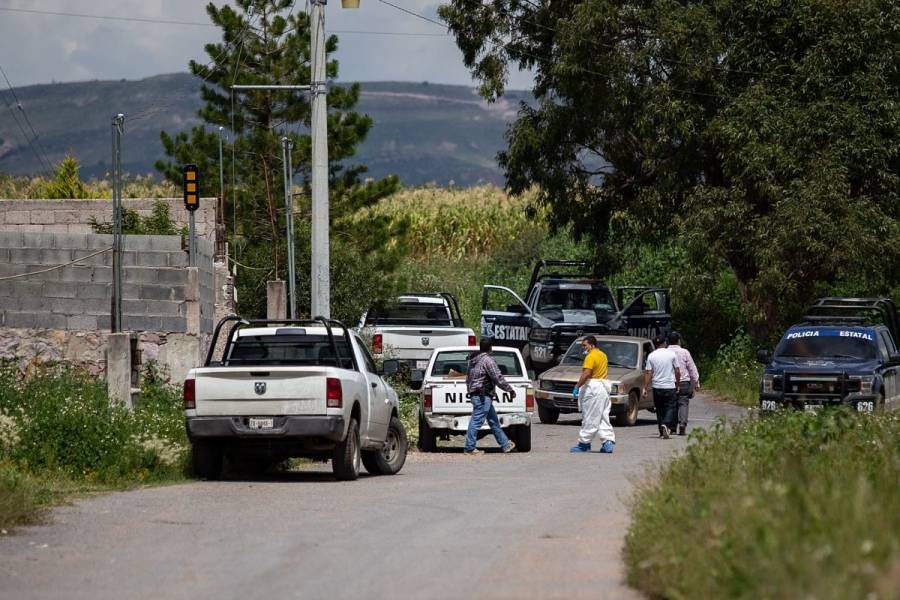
(409, 328)
(445, 409)
(286, 389)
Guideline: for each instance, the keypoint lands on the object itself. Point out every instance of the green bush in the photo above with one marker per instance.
(734, 372)
(21, 496)
(789, 506)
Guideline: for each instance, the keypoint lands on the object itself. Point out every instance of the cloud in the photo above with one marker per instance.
(41, 48)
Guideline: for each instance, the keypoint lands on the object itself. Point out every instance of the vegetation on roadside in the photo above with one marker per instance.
(59, 433)
(67, 184)
(789, 506)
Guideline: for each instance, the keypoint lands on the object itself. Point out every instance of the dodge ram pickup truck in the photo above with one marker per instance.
(287, 389)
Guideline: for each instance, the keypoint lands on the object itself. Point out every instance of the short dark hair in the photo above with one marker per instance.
(590, 340)
(486, 344)
(659, 341)
(674, 337)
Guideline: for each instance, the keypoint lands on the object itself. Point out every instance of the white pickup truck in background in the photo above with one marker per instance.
(410, 327)
(445, 409)
(288, 389)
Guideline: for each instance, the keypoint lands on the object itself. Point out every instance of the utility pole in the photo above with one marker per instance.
(222, 178)
(118, 128)
(320, 276)
(287, 148)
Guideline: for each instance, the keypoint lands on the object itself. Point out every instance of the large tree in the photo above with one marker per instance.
(763, 132)
(268, 42)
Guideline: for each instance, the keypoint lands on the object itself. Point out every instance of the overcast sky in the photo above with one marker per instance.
(38, 48)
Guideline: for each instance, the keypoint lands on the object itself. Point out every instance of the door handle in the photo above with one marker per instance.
(374, 384)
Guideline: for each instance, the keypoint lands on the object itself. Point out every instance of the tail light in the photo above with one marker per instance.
(377, 343)
(190, 395)
(471, 340)
(529, 400)
(427, 401)
(334, 394)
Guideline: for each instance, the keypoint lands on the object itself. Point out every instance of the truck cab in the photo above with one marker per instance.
(844, 353)
(561, 305)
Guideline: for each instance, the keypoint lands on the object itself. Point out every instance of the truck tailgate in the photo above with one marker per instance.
(260, 390)
(419, 342)
(450, 398)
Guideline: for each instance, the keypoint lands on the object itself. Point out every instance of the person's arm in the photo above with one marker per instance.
(497, 377)
(692, 371)
(585, 375)
(647, 373)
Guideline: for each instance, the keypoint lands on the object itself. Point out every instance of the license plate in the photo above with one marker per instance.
(865, 407)
(421, 365)
(769, 405)
(260, 423)
(812, 407)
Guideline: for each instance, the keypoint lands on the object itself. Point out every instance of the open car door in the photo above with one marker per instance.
(504, 317)
(645, 310)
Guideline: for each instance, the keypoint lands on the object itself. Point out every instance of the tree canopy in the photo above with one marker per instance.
(762, 133)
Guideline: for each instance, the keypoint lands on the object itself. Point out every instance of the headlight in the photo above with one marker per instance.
(539, 334)
(544, 384)
(614, 388)
(768, 383)
(866, 382)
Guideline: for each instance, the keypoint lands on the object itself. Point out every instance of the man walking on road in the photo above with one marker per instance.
(593, 400)
(662, 373)
(689, 382)
(483, 376)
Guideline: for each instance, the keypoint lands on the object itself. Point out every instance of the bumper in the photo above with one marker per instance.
(460, 423)
(773, 402)
(285, 428)
(566, 402)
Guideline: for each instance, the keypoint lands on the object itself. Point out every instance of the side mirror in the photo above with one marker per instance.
(894, 359)
(390, 367)
(415, 379)
(763, 356)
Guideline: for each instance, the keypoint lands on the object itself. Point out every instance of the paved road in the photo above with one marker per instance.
(541, 525)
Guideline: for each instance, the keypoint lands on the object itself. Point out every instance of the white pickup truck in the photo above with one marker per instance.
(445, 409)
(288, 389)
(411, 326)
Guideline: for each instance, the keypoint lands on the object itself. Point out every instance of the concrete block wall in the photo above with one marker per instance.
(74, 216)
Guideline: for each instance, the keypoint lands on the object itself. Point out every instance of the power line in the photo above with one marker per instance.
(413, 13)
(42, 157)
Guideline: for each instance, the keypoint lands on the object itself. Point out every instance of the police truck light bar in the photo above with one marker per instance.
(191, 187)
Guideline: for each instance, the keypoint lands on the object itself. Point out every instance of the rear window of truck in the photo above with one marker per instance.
(300, 350)
(450, 364)
(415, 314)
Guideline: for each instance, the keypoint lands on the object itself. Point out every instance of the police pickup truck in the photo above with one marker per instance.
(844, 353)
(286, 389)
(563, 306)
(445, 409)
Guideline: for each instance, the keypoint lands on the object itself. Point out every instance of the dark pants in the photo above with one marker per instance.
(666, 408)
(685, 393)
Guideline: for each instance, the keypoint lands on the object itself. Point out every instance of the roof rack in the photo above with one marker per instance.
(536, 274)
(855, 311)
(241, 322)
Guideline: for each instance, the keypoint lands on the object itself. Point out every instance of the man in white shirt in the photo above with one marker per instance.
(689, 382)
(662, 374)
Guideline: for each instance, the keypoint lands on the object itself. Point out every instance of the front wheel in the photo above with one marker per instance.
(627, 415)
(523, 438)
(346, 458)
(390, 458)
(547, 415)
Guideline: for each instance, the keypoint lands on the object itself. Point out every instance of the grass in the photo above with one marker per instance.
(791, 506)
(733, 373)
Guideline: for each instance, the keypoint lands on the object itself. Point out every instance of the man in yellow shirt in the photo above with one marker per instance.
(593, 399)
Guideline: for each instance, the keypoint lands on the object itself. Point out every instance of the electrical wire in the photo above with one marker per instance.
(42, 157)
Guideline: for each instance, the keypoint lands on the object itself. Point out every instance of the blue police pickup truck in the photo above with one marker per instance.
(844, 353)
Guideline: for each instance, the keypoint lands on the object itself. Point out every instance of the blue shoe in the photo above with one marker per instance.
(608, 447)
(579, 447)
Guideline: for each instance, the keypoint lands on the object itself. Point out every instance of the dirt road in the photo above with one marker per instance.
(541, 525)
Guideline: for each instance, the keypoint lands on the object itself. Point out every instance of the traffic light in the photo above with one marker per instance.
(191, 186)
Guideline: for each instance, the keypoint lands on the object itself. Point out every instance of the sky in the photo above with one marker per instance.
(40, 48)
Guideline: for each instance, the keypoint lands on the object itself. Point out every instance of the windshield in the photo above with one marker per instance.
(305, 350)
(583, 298)
(456, 364)
(619, 354)
(817, 343)
(431, 315)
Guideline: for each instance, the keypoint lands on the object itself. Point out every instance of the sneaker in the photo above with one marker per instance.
(579, 447)
(475, 452)
(664, 431)
(608, 447)
(682, 430)
(509, 447)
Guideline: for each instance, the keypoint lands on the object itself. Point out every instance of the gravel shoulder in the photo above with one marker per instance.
(545, 524)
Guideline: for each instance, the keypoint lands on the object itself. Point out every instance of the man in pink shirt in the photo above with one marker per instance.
(689, 382)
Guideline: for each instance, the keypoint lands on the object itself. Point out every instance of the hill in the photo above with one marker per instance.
(423, 132)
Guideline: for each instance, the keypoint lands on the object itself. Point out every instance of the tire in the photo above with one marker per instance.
(548, 416)
(389, 460)
(523, 438)
(427, 439)
(345, 462)
(206, 460)
(627, 416)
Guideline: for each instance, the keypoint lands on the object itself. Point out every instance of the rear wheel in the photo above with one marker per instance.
(345, 462)
(427, 439)
(627, 415)
(206, 460)
(523, 438)
(547, 415)
(389, 459)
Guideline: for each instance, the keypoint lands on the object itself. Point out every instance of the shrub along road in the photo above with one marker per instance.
(541, 525)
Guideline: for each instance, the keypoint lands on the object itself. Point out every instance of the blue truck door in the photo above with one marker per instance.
(646, 314)
(890, 375)
(504, 317)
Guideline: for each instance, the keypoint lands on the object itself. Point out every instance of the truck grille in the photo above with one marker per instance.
(824, 387)
(557, 386)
